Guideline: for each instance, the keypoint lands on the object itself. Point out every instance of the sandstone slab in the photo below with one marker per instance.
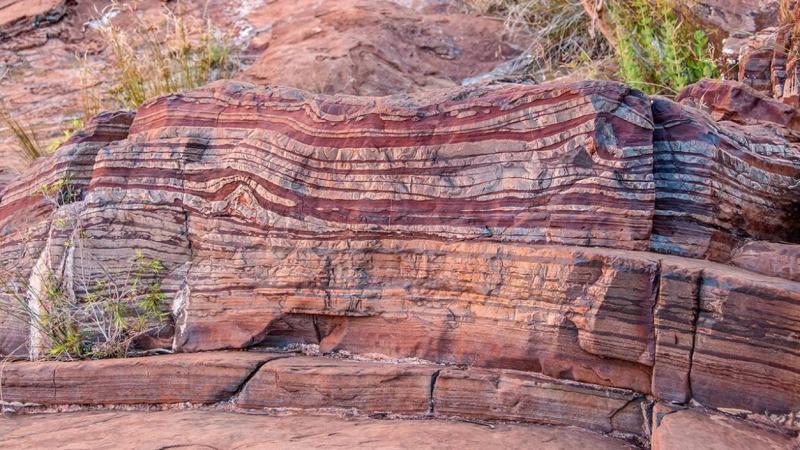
(675, 318)
(519, 396)
(196, 378)
(724, 338)
(746, 351)
(319, 383)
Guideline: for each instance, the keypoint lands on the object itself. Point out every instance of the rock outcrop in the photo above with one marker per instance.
(580, 246)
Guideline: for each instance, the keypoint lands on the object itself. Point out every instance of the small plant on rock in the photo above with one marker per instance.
(78, 307)
(88, 319)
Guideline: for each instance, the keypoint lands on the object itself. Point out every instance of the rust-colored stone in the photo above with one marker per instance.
(690, 428)
(318, 383)
(196, 378)
(525, 397)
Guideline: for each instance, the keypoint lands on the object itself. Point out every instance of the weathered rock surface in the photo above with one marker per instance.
(318, 383)
(368, 47)
(745, 353)
(689, 429)
(285, 382)
(740, 103)
(719, 330)
(199, 378)
(525, 397)
(217, 429)
(769, 258)
(733, 16)
(416, 226)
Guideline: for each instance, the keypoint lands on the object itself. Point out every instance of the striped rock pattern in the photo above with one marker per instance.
(718, 184)
(563, 230)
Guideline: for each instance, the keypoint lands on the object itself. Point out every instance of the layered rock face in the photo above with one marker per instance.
(575, 245)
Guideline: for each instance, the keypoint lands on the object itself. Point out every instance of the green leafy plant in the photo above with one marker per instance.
(99, 319)
(657, 51)
(85, 315)
(74, 125)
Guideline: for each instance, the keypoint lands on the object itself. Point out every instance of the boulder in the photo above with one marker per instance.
(739, 103)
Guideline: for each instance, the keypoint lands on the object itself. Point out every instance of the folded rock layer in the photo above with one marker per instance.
(556, 234)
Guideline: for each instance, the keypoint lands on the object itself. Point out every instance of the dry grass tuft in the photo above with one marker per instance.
(23, 134)
(153, 58)
(561, 33)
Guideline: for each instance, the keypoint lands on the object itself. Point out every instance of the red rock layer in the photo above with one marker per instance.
(131, 430)
(460, 227)
(525, 397)
(696, 428)
(269, 381)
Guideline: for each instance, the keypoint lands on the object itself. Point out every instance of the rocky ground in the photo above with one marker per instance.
(573, 263)
(224, 430)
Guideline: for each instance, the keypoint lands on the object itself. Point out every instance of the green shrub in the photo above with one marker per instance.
(85, 315)
(656, 50)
